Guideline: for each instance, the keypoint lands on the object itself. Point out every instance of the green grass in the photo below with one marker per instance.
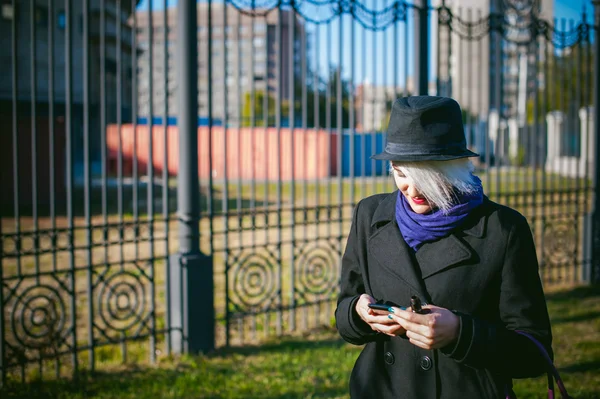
(245, 195)
(316, 364)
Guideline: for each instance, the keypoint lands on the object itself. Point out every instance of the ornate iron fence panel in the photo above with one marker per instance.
(280, 106)
(85, 238)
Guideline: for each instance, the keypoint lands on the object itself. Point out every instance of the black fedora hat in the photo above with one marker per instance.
(425, 128)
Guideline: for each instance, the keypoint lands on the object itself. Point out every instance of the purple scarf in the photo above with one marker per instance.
(418, 229)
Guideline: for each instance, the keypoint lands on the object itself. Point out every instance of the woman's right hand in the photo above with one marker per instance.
(376, 319)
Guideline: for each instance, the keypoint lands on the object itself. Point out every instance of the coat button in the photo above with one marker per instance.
(425, 363)
(389, 358)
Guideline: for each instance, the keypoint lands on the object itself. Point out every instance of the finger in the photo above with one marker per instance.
(387, 329)
(410, 326)
(399, 330)
(419, 344)
(379, 312)
(366, 299)
(395, 329)
(419, 338)
(380, 328)
(411, 316)
(380, 320)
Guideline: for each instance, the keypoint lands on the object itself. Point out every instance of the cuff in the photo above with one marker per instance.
(358, 324)
(351, 327)
(460, 349)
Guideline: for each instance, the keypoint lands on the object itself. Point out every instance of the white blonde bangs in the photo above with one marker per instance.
(440, 181)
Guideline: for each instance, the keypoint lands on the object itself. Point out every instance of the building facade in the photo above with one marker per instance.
(35, 83)
(114, 49)
(244, 57)
(468, 69)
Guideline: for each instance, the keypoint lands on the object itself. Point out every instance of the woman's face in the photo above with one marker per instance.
(418, 203)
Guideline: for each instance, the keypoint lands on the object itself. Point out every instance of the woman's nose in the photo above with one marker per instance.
(412, 191)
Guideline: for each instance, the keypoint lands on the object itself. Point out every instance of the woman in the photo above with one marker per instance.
(472, 261)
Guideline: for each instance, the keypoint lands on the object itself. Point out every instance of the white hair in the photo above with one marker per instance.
(440, 182)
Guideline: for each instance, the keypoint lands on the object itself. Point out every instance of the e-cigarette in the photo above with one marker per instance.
(417, 306)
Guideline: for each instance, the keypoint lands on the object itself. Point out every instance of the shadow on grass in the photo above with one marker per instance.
(185, 377)
(126, 194)
(109, 384)
(575, 294)
(577, 318)
(147, 382)
(582, 367)
(136, 383)
(288, 346)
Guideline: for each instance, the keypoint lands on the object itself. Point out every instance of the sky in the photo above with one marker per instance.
(369, 58)
(572, 9)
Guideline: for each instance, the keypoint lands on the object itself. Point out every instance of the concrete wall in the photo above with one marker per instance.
(251, 153)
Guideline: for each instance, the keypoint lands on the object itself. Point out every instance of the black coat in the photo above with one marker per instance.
(486, 272)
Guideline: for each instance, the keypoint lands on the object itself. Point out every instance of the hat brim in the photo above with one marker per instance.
(386, 156)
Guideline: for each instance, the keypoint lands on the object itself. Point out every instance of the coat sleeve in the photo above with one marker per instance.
(350, 326)
(522, 306)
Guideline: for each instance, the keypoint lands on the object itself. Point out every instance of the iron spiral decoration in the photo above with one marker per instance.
(317, 271)
(122, 301)
(560, 242)
(38, 317)
(254, 282)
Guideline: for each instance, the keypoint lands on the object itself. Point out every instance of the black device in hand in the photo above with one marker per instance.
(379, 306)
(417, 306)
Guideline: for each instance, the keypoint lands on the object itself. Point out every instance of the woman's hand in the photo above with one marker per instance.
(438, 328)
(376, 319)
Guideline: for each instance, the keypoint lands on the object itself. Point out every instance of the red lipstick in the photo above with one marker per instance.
(419, 200)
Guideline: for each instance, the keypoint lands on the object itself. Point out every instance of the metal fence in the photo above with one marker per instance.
(183, 177)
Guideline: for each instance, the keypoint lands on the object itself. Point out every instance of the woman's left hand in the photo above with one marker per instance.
(438, 328)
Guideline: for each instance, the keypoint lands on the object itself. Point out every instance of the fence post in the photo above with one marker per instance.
(595, 272)
(421, 48)
(190, 278)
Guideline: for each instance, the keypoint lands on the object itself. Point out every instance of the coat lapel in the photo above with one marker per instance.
(437, 256)
(389, 249)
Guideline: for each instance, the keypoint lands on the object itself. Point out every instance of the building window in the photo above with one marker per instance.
(260, 68)
(259, 41)
(260, 55)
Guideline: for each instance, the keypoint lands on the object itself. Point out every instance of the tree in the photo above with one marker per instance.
(316, 91)
(566, 83)
(259, 109)
(388, 108)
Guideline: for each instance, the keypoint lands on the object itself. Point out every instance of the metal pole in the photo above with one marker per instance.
(595, 277)
(421, 47)
(187, 180)
(191, 272)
